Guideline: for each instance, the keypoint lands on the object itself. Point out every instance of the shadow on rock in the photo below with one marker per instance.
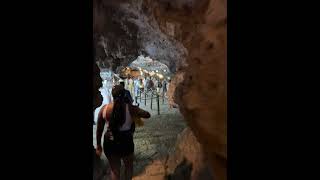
(182, 171)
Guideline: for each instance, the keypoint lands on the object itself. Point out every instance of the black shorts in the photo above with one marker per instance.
(123, 146)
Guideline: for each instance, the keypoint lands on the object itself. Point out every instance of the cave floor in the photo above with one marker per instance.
(153, 141)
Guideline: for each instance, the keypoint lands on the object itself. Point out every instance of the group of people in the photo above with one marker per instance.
(146, 84)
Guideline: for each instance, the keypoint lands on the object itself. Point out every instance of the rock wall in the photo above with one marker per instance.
(201, 26)
(123, 31)
(175, 81)
(97, 98)
(188, 161)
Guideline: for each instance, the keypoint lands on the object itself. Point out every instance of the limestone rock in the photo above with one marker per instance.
(188, 161)
(97, 98)
(122, 32)
(202, 94)
(177, 79)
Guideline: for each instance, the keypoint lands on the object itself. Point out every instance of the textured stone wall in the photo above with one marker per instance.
(202, 94)
(188, 161)
(123, 31)
(97, 98)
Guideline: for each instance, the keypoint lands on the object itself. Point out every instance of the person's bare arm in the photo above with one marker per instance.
(142, 113)
(100, 127)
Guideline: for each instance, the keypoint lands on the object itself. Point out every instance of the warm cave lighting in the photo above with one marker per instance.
(160, 76)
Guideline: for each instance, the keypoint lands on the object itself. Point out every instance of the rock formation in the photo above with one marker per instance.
(97, 98)
(188, 161)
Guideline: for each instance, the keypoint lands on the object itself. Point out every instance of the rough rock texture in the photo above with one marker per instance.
(177, 79)
(123, 31)
(202, 95)
(188, 160)
(97, 98)
(149, 64)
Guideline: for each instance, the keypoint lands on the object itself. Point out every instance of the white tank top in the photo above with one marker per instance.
(127, 124)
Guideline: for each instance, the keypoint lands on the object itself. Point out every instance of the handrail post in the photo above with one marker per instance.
(158, 104)
(151, 100)
(162, 97)
(145, 98)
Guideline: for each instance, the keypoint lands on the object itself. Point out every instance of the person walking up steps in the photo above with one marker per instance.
(118, 143)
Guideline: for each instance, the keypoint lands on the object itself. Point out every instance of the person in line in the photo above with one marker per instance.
(118, 145)
(159, 86)
(141, 86)
(127, 93)
(130, 86)
(164, 88)
(136, 87)
(150, 85)
(144, 80)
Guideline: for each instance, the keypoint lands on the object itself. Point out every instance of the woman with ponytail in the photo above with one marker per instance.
(118, 143)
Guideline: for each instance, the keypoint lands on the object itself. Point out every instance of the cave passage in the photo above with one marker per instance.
(190, 38)
(157, 138)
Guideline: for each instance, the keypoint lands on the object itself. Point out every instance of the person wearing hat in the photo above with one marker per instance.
(120, 115)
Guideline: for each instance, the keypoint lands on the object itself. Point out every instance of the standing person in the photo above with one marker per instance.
(150, 84)
(141, 86)
(147, 82)
(169, 95)
(159, 86)
(130, 85)
(126, 83)
(127, 93)
(164, 87)
(156, 83)
(135, 82)
(144, 80)
(118, 140)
